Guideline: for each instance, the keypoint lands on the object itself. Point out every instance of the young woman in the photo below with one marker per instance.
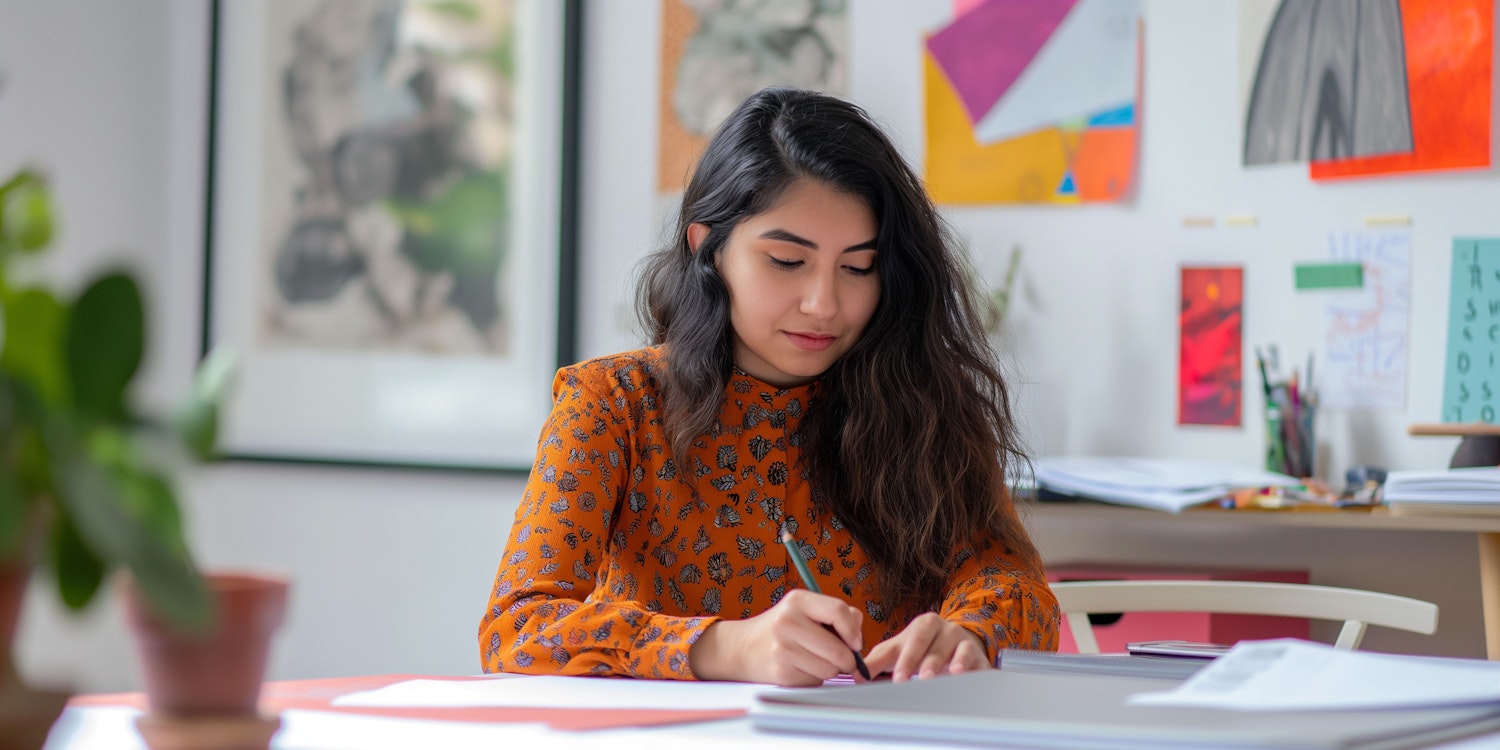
(818, 368)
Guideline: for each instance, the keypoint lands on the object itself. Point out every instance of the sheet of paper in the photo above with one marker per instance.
(314, 730)
(1290, 674)
(1362, 362)
(1158, 473)
(1471, 374)
(334, 731)
(1088, 65)
(562, 692)
(1162, 484)
(984, 50)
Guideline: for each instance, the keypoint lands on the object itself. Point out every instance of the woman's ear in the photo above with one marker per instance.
(695, 235)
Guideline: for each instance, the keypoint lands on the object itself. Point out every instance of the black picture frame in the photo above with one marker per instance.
(297, 232)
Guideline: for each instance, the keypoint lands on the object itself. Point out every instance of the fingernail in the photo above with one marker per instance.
(900, 676)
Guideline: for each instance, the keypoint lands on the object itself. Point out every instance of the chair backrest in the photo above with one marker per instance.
(1355, 607)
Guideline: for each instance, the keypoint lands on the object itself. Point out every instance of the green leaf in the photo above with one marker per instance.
(150, 499)
(462, 11)
(27, 216)
(25, 213)
(78, 570)
(197, 418)
(161, 566)
(100, 503)
(12, 516)
(197, 424)
(103, 345)
(215, 375)
(34, 321)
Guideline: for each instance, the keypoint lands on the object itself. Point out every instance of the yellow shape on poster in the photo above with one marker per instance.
(961, 170)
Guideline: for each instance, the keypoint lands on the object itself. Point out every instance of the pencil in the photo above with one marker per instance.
(794, 551)
(1265, 380)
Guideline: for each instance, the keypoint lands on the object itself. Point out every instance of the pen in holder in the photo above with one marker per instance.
(1275, 446)
(1290, 413)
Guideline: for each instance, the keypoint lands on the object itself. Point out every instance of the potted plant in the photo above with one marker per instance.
(85, 478)
(998, 299)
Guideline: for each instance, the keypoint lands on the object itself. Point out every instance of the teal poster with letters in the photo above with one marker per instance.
(1472, 371)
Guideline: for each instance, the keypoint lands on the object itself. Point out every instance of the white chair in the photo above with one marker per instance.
(1357, 608)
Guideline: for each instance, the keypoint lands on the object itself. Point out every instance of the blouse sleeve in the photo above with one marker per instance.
(1003, 598)
(544, 615)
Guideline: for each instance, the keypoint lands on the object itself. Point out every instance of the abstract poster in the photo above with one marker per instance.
(1329, 84)
(1033, 102)
(1448, 46)
(1471, 373)
(715, 53)
(1209, 371)
(1362, 362)
(1364, 87)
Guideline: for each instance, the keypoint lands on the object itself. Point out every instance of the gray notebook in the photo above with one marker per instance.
(1117, 665)
(1024, 709)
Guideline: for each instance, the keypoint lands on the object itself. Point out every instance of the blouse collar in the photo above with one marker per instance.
(744, 386)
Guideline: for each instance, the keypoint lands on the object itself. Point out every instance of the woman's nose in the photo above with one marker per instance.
(820, 297)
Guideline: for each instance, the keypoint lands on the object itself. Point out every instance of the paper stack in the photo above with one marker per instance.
(1158, 483)
(1265, 694)
(1450, 492)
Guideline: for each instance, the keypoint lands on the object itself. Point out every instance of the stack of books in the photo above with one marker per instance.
(1450, 492)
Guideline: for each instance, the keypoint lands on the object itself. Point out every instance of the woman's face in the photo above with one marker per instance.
(802, 282)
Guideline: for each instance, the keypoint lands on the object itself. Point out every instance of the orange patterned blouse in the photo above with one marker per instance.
(615, 565)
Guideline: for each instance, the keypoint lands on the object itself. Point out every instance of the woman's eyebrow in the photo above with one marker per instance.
(782, 235)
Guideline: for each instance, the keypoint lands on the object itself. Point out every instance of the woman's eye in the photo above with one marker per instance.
(779, 263)
(857, 271)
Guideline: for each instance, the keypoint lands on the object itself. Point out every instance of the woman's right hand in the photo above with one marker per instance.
(789, 644)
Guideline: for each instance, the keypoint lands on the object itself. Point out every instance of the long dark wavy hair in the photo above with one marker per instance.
(908, 440)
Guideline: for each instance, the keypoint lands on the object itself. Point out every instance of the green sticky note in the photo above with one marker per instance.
(1330, 276)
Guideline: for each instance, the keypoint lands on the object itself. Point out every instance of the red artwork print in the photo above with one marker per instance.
(1209, 372)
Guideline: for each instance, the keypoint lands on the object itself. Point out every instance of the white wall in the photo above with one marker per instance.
(391, 568)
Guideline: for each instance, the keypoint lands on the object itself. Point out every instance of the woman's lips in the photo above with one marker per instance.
(811, 341)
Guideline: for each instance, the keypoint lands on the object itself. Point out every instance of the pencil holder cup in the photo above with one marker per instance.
(1290, 440)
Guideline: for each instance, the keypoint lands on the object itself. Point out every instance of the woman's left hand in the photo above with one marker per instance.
(929, 646)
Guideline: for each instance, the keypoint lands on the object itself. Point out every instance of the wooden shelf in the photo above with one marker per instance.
(1040, 513)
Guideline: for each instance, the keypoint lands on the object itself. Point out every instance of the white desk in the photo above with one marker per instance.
(112, 728)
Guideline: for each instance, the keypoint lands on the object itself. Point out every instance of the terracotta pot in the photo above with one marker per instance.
(216, 672)
(14, 575)
(26, 714)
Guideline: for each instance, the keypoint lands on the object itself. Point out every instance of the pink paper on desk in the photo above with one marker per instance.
(318, 695)
(986, 48)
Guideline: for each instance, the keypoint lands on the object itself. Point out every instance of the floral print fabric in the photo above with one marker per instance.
(619, 558)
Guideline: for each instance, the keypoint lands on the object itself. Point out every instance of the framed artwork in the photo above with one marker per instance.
(716, 54)
(1209, 337)
(389, 239)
